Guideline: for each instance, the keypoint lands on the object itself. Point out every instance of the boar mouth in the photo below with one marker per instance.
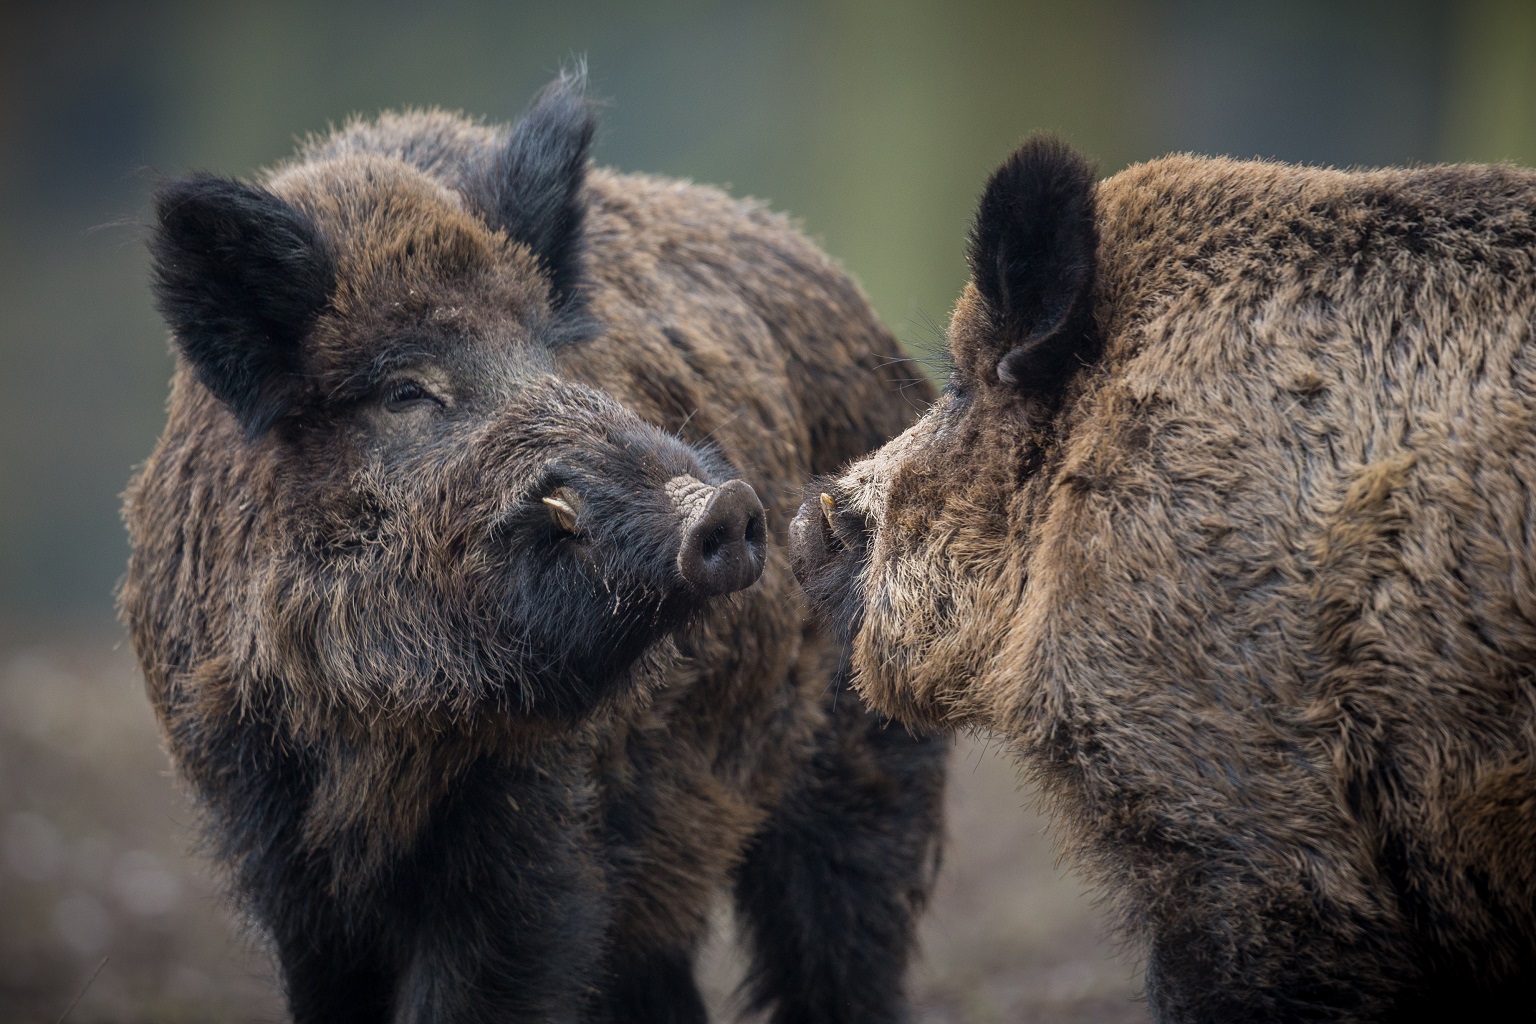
(828, 549)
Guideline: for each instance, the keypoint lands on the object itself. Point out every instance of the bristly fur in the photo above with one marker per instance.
(1254, 598)
(240, 276)
(464, 761)
(1031, 255)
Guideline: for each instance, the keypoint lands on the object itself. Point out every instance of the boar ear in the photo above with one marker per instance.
(536, 180)
(1032, 252)
(240, 276)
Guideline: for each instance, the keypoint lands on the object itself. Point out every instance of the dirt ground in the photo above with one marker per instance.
(99, 891)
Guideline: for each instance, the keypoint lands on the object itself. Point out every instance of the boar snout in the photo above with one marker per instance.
(828, 546)
(823, 533)
(812, 541)
(724, 535)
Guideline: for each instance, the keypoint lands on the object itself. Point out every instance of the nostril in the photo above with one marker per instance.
(757, 528)
(714, 540)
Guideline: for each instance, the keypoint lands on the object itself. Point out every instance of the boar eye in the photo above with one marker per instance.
(404, 395)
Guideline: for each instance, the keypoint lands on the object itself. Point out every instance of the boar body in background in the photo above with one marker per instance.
(454, 589)
(1226, 521)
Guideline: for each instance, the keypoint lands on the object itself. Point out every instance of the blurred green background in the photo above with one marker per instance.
(873, 122)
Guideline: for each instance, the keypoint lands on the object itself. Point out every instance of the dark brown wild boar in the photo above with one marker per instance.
(459, 586)
(1226, 521)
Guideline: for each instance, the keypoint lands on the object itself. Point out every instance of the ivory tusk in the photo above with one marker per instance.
(828, 507)
(564, 507)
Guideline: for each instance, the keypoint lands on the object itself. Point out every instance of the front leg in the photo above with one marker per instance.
(830, 890)
(330, 976)
(333, 953)
(1234, 938)
(654, 987)
(505, 907)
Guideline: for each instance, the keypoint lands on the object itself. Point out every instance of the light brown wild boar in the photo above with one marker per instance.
(1226, 521)
(454, 592)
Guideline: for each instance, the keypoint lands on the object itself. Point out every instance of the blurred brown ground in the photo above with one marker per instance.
(95, 864)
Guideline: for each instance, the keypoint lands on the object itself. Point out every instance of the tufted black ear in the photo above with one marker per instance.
(1032, 253)
(534, 187)
(240, 276)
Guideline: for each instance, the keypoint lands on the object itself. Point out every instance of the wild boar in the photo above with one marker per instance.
(1225, 521)
(459, 585)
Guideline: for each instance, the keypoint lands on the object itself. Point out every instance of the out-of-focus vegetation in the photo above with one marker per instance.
(873, 122)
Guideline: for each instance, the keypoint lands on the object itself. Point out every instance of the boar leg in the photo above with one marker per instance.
(327, 978)
(329, 952)
(504, 904)
(830, 891)
(333, 969)
(654, 989)
(1256, 941)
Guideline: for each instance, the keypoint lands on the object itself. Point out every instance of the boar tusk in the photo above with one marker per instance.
(562, 514)
(828, 507)
(564, 507)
